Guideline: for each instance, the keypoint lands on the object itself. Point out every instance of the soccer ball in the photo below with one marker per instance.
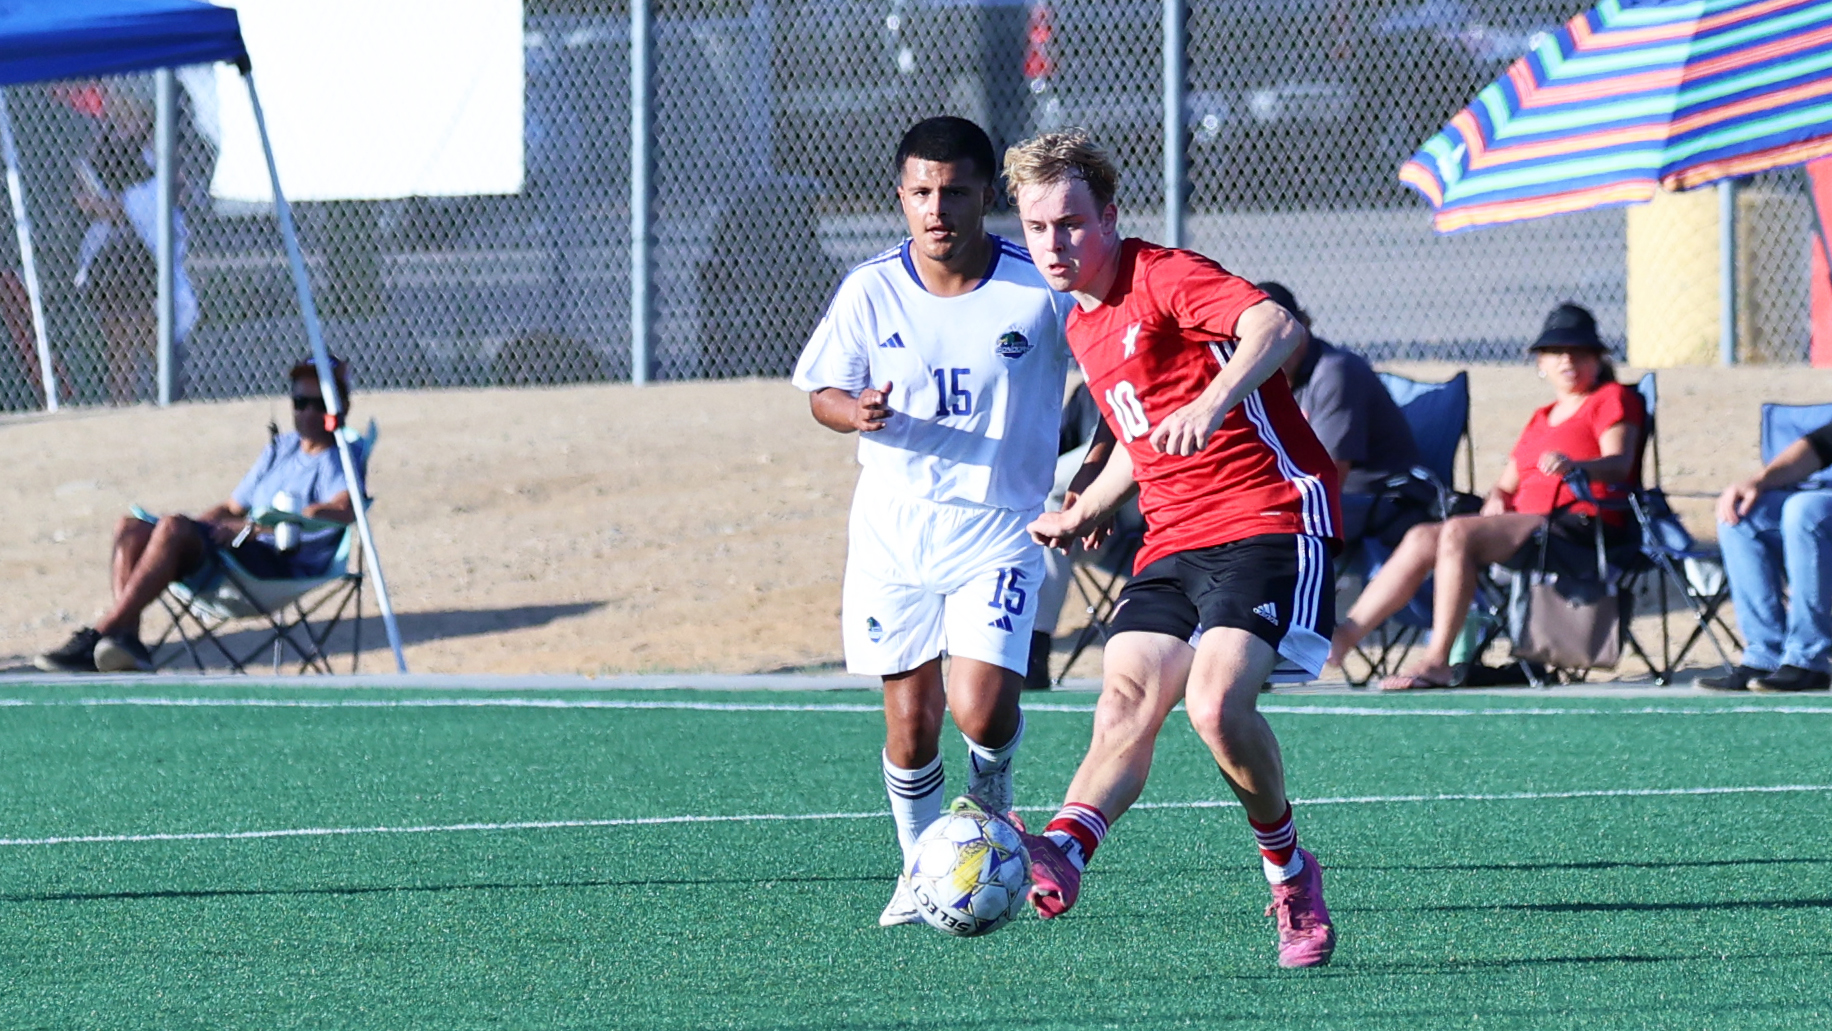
(968, 872)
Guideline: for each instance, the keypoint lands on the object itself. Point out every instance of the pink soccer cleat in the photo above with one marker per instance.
(1054, 880)
(1306, 938)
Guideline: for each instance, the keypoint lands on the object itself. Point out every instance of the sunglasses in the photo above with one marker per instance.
(306, 404)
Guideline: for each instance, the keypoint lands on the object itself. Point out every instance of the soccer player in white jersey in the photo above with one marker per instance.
(946, 354)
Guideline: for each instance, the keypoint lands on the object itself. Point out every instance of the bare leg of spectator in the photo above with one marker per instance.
(1465, 544)
(132, 534)
(1398, 580)
(174, 548)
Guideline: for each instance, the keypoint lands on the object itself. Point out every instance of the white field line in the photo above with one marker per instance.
(649, 821)
(621, 703)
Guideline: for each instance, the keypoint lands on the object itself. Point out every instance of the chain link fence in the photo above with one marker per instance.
(774, 123)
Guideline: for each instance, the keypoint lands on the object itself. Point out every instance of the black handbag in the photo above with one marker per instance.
(1568, 619)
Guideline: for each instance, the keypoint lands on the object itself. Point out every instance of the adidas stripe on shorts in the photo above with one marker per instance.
(926, 577)
(1280, 587)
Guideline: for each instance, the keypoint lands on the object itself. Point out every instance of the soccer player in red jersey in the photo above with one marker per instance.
(1241, 517)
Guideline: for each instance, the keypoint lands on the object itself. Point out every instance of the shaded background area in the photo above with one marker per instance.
(774, 125)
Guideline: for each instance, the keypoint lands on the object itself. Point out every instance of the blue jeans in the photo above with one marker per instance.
(1779, 560)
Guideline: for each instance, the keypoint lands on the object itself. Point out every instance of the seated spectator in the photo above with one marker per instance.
(1778, 542)
(150, 556)
(1350, 411)
(1593, 426)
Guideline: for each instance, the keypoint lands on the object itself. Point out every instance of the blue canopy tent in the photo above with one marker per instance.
(89, 38)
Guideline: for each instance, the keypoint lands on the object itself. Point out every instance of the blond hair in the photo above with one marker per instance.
(1056, 157)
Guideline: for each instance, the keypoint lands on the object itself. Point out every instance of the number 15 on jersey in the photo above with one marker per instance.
(952, 396)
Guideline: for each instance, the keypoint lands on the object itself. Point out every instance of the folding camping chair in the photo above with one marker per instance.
(1438, 414)
(1671, 559)
(1627, 566)
(297, 615)
(1667, 558)
(1098, 577)
(1782, 425)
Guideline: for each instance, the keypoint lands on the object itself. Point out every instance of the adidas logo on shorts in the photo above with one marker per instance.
(1003, 623)
(1267, 611)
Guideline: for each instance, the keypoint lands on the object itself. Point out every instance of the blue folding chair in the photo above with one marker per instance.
(1782, 425)
(1671, 558)
(296, 615)
(1674, 551)
(1438, 414)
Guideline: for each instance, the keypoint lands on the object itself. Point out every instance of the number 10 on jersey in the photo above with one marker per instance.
(1123, 401)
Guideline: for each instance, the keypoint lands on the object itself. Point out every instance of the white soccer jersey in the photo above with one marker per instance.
(976, 380)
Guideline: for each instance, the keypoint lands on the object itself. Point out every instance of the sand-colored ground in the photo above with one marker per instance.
(593, 529)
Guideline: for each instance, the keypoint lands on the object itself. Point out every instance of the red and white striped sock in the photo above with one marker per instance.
(1077, 829)
(1278, 845)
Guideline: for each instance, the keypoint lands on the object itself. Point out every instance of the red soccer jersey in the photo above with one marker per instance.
(1153, 345)
(1579, 437)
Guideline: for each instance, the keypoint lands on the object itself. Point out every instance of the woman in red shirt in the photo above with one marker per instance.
(1593, 425)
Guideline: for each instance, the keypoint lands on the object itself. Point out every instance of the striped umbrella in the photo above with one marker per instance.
(1632, 96)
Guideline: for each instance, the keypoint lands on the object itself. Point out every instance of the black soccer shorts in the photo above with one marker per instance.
(1279, 587)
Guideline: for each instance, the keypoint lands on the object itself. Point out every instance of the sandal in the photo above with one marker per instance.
(1411, 682)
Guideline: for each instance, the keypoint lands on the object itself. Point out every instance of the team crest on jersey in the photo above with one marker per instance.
(874, 629)
(1012, 345)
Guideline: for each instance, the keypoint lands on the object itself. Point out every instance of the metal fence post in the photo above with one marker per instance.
(1727, 271)
(164, 122)
(642, 192)
(1176, 173)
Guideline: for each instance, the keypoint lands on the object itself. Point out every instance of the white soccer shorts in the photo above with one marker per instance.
(923, 578)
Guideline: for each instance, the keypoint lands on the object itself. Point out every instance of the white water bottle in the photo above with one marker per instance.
(286, 535)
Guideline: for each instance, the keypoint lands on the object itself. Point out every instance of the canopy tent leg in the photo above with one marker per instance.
(28, 260)
(334, 405)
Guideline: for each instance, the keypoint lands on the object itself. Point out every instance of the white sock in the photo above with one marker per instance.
(1278, 845)
(989, 770)
(916, 797)
(1077, 829)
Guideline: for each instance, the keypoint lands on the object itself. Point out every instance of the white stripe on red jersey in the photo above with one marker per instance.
(1153, 345)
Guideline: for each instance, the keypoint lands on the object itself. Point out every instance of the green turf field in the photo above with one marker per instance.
(1645, 909)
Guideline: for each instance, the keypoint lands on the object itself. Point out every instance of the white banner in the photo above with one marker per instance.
(372, 100)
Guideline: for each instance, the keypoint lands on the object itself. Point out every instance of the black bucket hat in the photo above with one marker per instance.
(1570, 326)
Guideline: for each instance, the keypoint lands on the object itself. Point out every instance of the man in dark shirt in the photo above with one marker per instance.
(1777, 546)
(1351, 412)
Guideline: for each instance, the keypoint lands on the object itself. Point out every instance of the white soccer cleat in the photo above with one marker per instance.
(902, 908)
(993, 790)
